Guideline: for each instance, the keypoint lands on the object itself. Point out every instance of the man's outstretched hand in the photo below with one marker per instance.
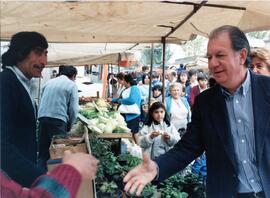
(140, 176)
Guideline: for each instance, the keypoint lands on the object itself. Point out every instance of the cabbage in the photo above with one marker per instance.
(108, 129)
(101, 126)
(95, 129)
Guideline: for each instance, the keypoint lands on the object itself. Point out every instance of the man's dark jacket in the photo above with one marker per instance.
(209, 131)
(18, 131)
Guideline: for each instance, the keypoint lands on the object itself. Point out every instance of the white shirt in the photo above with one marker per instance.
(179, 114)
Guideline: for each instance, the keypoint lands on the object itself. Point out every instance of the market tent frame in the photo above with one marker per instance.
(130, 21)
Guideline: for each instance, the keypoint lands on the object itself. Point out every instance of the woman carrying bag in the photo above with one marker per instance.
(130, 105)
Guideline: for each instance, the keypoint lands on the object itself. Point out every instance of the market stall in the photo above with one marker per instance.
(107, 131)
(131, 22)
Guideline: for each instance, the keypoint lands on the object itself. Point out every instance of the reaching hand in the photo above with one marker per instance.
(138, 177)
(86, 164)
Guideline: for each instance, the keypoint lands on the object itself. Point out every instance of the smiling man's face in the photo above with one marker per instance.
(226, 65)
(34, 63)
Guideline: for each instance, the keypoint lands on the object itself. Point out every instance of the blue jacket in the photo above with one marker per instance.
(199, 166)
(134, 98)
(168, 102)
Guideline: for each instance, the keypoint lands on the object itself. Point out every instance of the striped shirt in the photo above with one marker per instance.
(240, 111)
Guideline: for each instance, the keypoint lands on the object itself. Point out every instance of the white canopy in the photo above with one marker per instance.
(129, 21)
(112, 58)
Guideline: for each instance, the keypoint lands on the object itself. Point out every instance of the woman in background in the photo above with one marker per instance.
(178, 108)
(260, 60)
(131, 95)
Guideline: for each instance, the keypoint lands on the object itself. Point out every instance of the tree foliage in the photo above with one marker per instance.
(157, 56)
(195, 47)
(259, 35)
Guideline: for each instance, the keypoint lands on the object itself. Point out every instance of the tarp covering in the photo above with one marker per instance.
(127, 21)
(88, 53)
(113, 58)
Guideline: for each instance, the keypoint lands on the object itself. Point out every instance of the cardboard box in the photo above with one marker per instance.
(87, 187)
(57, 152)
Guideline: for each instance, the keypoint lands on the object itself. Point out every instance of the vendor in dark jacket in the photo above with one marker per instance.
(25, 59)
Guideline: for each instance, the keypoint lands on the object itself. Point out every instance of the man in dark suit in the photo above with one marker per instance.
(25, 59)
(230, 122)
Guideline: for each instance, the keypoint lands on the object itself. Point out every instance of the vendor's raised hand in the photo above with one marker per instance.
(109, 99)
(154, 134)
(140, 176)
(166, 136)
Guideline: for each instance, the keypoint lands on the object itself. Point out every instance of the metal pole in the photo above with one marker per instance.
(163, 40)
(196, 7)
(151, 72)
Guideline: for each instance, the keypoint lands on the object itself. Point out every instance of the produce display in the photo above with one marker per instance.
(113, 168)
(101, 118)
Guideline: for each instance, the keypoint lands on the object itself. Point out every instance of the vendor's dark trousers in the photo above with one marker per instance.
(48, 127)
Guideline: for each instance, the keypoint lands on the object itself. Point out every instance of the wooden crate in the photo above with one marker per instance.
(87, 187)
(58, 152)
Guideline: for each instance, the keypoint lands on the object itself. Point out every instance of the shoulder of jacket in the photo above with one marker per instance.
(209, 93)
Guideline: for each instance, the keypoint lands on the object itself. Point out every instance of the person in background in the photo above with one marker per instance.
(156, 96)
(25, 59)
(58, 109)
(157, 135)
(202, 86)
(181, 68)
(139, 76)
(183, 79)
(157, 93)
(112, 85)
(60, 69)
(63, 181)
(193, 75)
(54, 73)
(156, 79)
(120, 79)
(131, 95)
(144, 88)
(260, 60)
(230, 123)
(172, 77)
(178, 108)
